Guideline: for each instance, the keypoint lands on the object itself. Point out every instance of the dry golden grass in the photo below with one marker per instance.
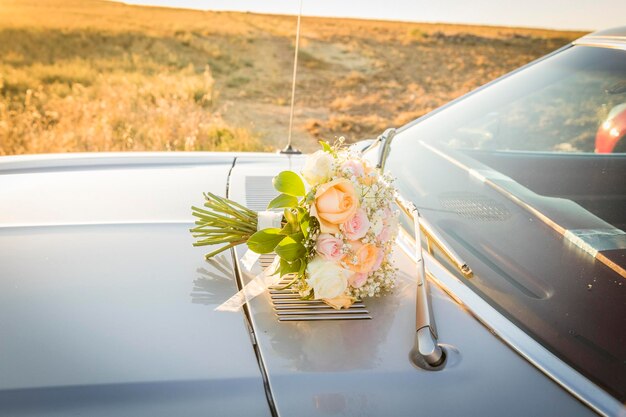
(100, 76)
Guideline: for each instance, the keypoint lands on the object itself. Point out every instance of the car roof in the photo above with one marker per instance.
(610, 38)
(619, 32)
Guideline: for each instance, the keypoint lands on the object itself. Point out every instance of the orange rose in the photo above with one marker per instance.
(361, 258)
(335, 203)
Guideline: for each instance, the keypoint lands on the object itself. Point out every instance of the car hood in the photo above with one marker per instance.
(107, 309)
(105, 306)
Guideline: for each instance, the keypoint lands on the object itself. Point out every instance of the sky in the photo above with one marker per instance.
(552, 14)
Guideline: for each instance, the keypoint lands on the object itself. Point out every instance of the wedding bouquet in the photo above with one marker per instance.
(333, 239)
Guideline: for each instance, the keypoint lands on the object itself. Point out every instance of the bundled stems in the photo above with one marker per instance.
(222, 221)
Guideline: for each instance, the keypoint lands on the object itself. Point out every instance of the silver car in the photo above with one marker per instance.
(106, 309)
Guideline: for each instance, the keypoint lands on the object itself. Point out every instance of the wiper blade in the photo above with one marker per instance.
(426, 346)
(433, 237)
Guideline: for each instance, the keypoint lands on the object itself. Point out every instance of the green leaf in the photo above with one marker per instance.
(289, 267)
(288, 182)
(289, 229)
(290, 216)
(264, 241)
(283, 200)
(297, 237)
(326, 146)
(290, 250)
(305, 223)
(291, 225)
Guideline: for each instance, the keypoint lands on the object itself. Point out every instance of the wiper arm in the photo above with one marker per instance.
(382, 142)
(426, 346)
(433, 236)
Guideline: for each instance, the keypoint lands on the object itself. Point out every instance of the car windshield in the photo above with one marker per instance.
(526, 180)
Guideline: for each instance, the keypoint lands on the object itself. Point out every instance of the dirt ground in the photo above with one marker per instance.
(356, 77)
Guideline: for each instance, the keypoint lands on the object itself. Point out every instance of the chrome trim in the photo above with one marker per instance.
(246, 312)
(531, 350)
(328, 317)
(188, 223)
(611, 42)
(288, 306)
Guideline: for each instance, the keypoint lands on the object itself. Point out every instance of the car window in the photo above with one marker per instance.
(560, 111)
(567, 116)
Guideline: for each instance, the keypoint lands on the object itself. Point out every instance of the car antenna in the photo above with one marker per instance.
(289, 149)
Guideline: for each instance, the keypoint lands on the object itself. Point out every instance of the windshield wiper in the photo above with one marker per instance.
(382, 142)
(434, 238)
(426, 346)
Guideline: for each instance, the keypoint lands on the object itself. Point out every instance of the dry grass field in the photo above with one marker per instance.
(87, 75)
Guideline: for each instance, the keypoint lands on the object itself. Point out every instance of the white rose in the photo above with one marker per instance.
(317, 168)
(328, 279)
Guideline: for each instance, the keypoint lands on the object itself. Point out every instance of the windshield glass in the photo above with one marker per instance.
(525, 179)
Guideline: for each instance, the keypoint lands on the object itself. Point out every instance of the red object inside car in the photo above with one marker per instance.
(612, 130)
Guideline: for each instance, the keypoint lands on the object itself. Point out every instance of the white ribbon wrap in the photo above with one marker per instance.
(258, 285)
(269, 219)
(252, 289)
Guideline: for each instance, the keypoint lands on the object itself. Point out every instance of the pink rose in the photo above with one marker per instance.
(357, 226)
(384, 234)
(329, 247)
(355, 167)
(390, 226)
(357, 280)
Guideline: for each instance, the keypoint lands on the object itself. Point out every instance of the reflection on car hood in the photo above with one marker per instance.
(104, 303)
